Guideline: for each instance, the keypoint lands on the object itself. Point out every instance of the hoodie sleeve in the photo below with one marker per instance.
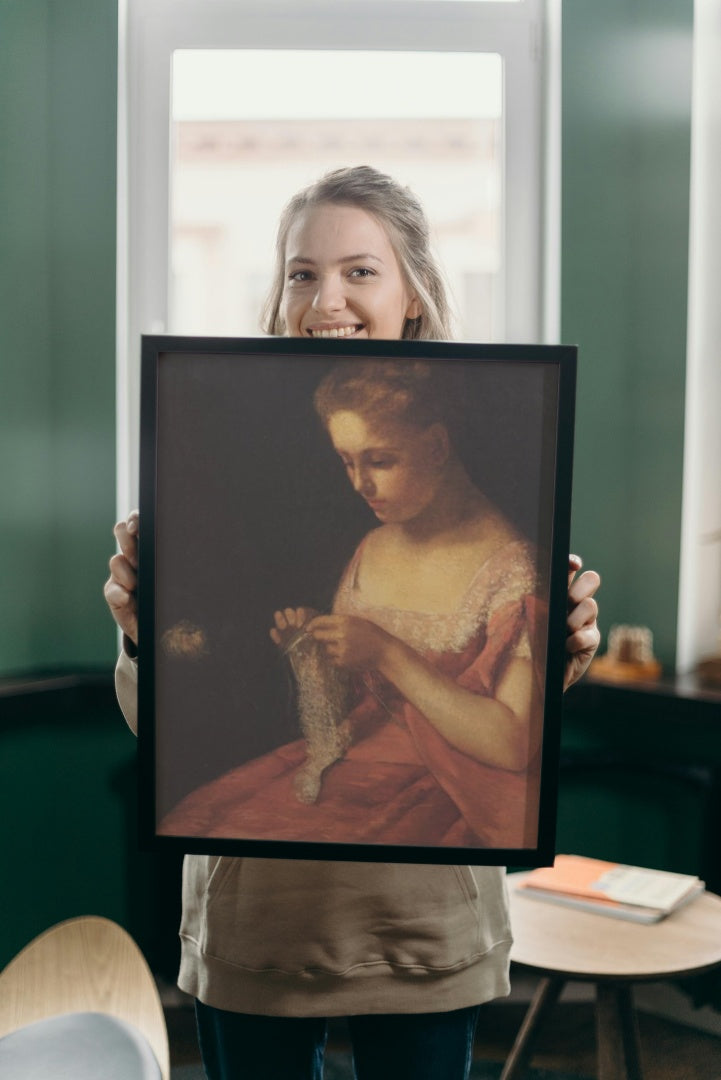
(126, 688)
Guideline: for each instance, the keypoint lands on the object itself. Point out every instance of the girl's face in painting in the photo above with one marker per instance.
(342, 277)
(397, 468)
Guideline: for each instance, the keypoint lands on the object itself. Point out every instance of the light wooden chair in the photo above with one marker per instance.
(90, 972)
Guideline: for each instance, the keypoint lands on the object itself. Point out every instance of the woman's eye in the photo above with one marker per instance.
(300, 276)
(382, 463)
(362, 272)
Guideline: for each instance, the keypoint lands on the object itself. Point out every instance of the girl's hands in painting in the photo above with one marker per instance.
(349, 641)
(583, 635)
(121, 587)
(288, 622)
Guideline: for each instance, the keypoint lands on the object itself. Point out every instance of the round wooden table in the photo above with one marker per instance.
(562, 944)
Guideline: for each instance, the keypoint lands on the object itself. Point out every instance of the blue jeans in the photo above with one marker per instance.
(415, 1046)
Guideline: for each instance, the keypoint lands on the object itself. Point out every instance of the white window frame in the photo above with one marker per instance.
(699, 597)
(526, 34)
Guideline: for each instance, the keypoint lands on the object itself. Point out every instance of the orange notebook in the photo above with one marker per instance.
(630, 892)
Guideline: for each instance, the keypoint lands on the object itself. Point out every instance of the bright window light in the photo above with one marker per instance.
(239, 154)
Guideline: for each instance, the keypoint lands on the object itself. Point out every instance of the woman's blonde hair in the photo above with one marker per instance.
(402, 216)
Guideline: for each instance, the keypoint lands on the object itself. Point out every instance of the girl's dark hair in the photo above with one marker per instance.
(402, 216)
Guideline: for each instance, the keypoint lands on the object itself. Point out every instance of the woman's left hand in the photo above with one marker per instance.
(349, 641)
(582, 633)
(288, 622)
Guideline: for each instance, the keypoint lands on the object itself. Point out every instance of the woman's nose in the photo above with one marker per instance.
(362, 482)
(329, 295)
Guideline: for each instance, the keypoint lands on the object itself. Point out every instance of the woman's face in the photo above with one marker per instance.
(397, 468)
(342, 277)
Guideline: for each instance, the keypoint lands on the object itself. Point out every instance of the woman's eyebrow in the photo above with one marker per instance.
(367, 450)
(383, 449)
(361, 257)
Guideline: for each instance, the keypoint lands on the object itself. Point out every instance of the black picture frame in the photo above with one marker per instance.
(245, 509)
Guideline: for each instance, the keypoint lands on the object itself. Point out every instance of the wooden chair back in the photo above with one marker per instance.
(87, 964)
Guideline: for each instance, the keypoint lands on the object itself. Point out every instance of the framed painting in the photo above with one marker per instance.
(353, 571)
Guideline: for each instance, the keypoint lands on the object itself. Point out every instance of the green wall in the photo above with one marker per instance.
(58, 72)
(626, 145)
(67, 761)
(68, 804)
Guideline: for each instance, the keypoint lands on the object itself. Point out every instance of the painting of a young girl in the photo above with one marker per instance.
(430, 661)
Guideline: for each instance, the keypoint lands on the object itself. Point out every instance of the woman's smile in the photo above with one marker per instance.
(324, 331)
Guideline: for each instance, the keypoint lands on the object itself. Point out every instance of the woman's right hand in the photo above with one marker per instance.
(122, 585)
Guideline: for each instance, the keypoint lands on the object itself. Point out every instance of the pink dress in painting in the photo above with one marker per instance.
(400, 782)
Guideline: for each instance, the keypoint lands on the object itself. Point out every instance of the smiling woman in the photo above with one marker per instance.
(439, 739)
(353, 259)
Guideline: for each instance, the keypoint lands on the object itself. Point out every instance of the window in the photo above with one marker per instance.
(236, 161)
(227, 107)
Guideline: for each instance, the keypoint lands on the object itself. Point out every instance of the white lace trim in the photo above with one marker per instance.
(505, 577)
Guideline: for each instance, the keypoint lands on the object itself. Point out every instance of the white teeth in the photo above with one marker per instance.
(335, 332)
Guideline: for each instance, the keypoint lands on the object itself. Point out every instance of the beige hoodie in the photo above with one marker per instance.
(286, 937)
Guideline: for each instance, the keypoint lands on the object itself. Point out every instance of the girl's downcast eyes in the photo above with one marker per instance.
(372, 463)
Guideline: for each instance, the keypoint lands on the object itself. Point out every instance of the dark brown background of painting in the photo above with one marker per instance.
(254, 512)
